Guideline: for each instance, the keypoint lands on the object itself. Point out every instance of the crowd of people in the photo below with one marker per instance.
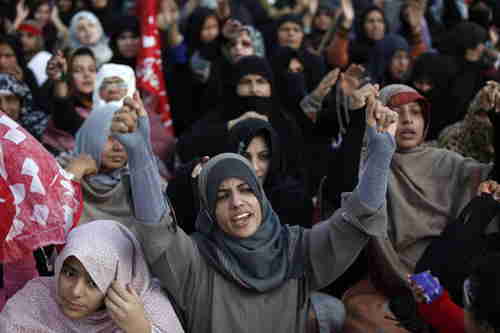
(332, 166)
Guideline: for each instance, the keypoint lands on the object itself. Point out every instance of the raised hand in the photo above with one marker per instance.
(22, 13)
(351, 79)
(348, 12)
(223, 9)
(81, 166)
(126, 309)
(360, 96)
(57, 66)
(327, 83)
(232, 29)
(198, 167)
(489, 187)
(382, 118)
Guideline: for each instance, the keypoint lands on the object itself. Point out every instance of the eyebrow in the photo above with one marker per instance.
(71, 267)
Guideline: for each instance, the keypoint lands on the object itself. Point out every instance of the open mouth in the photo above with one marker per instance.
(241, 220)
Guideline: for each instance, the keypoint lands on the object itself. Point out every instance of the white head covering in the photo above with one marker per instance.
(124, 72)
(101, 49)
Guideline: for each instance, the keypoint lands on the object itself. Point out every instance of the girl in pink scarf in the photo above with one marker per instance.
(102, 284)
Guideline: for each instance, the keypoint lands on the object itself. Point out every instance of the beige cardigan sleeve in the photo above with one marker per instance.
(334, 244)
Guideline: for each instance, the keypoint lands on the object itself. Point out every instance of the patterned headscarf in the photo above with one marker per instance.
(471, 137)
(256, 39)
(34, 121)
(108, 251)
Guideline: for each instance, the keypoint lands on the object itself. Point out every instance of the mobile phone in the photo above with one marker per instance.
(431, 286)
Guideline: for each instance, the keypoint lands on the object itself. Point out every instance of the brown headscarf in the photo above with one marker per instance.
(427, 189)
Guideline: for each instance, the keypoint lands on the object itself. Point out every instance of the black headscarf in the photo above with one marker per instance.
(123, 24)
(194, 26)
(242, 134)
(261, 262)
(238, 105)
(292, 86)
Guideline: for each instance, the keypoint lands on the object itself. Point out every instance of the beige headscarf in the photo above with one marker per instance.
(107, 250)
(427, 189)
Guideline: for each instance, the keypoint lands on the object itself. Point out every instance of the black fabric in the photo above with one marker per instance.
(287, 194)
(123, 24)
(440, 71)
(208, 136)
(105, 15)
(209, 51)
(451, 256)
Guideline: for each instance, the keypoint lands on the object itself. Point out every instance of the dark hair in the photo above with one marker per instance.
(464, 36)
(360, 26)
(485, 290)
(15, 44)
(82, 51)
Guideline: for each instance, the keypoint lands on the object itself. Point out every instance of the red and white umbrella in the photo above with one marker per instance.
(39, 201)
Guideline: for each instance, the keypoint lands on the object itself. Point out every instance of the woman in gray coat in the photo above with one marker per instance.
(242, 271)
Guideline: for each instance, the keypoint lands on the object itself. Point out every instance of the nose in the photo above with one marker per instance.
(236, 200)
(405, 117)
(117, 146)
(255, 165)
(254, 88)
(78, 288)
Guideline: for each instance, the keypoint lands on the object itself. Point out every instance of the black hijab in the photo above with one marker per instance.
(242, 134)
(194, 27)
(238, 105)
(123, 24)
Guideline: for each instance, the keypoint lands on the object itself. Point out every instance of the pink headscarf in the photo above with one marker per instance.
(107, 250)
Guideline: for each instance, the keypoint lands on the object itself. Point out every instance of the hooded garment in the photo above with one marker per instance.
(107, 251)
(261, 262)
(427, 189)
(123, 24)
(286, 194)
(208, 136)
(210, 50)
(374, 55)
(101, 49)
(124, 72)
(91, 139)
(33, 120)
(438, 71)
(393, 44)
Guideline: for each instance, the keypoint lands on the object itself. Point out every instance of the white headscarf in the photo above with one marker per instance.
(124, 72)
(101, 49)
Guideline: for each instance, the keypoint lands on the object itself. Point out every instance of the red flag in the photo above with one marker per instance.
(149, 67)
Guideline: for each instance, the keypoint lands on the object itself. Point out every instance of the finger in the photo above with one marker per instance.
(118, 293)
(197, 170)
(114, 310)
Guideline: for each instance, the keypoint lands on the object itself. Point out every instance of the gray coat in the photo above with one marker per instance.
(213, 304)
